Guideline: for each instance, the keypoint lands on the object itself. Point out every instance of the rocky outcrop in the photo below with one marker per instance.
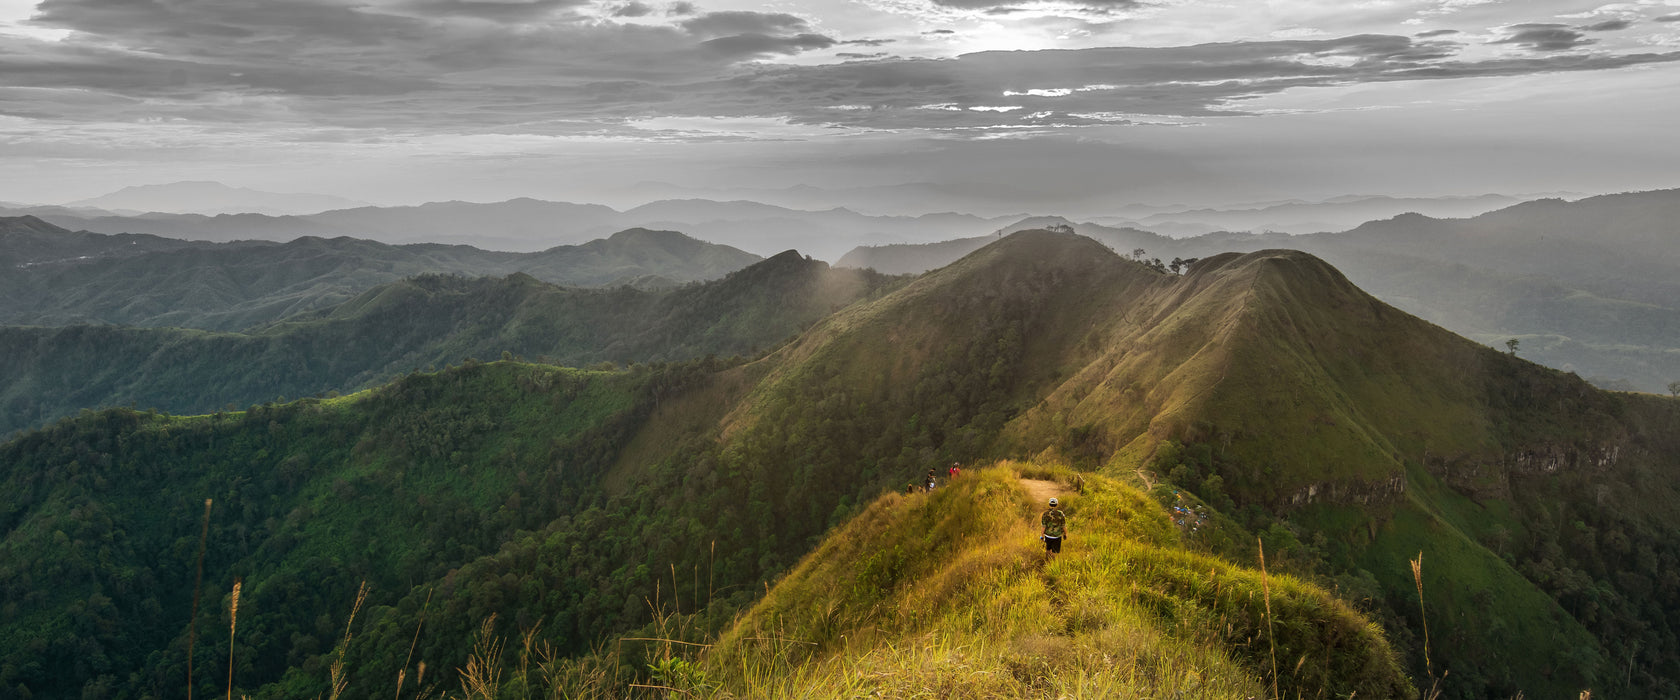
(1481, 478)
(1344, 492)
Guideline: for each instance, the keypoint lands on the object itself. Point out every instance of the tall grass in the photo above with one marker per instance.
(233, 627)
(338, 679)
(1271, 634)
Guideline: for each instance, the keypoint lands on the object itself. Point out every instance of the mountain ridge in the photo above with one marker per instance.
(1587, 292)
(424, 321)
(143, 280)
(1008, 353)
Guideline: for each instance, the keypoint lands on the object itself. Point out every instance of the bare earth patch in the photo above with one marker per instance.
(1041, 491)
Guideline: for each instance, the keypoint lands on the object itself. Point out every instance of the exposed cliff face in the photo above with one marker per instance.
(1365, 493)
(1484, 478)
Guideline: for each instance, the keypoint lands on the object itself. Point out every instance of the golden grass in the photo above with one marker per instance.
(338, 679)
(948, 595)
(233, 626)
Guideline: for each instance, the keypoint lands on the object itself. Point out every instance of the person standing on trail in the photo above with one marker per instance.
(930, 481)
(1055, 528)
(956, 470)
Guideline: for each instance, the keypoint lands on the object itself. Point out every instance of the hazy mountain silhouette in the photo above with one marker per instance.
(212, 198)
(533, 225)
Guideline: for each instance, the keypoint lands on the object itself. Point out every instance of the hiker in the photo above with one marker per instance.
(930, 481)
(1055, 528)
(956, 470)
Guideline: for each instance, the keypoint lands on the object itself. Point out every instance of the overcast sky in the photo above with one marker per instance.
(1038, 105)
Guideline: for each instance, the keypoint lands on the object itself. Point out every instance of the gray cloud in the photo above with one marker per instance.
(1610, 25)
(1002, 6)
(1435, 33)
(425, 67)
(679, 9)
(500, 10)
(632, 9)
(1669, 18)
(1545, 37)
(745, 45)
(716, 24)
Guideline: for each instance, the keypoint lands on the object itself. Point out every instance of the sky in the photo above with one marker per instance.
(1046, 106)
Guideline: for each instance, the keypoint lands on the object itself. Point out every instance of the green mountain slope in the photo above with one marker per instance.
(62, 277)
(420, 322)
(1264, 388)
(401, 485)
(1336, 423)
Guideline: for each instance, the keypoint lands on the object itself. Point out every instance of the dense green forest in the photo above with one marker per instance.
(418, 323)
(585, 504)
(429, 482)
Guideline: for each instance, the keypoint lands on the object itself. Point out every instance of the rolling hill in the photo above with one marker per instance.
(1263, 389)
(421, 322)
(58, 277)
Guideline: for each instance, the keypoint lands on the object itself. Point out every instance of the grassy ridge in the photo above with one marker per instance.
(949, 593)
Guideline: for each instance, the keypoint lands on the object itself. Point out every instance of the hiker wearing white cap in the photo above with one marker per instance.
(1055, 528)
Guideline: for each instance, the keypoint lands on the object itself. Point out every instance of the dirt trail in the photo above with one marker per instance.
(1041, 491)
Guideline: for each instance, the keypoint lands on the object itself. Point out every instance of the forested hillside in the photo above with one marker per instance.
(1262, 392)
(419, 323)
(55, 277)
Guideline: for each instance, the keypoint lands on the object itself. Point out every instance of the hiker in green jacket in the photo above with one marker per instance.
(1055, 529)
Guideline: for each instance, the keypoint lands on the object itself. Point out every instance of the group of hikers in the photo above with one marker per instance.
(1186, 516)
(932, 480)
(1054, 521)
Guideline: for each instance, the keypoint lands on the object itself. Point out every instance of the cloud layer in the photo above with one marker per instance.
(438, 83)
(572, 67)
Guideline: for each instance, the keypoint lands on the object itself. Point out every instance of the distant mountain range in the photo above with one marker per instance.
(1291, 215)
(529, 225)
(1336, 214)
(211, 198)
(50, 276)
(1591, 286)
(763, 221)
